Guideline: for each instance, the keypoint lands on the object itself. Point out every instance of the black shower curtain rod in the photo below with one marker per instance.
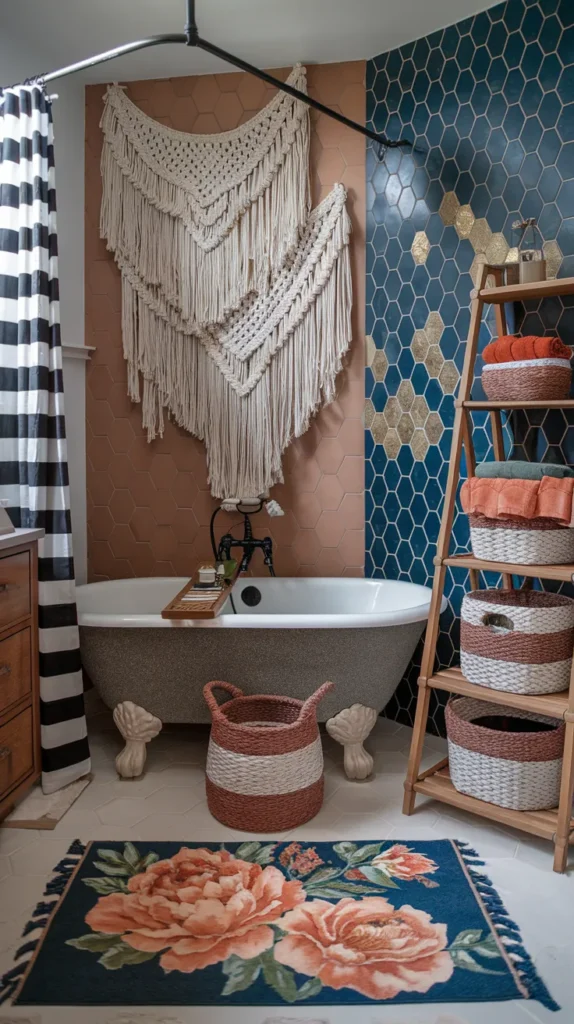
(191, 37)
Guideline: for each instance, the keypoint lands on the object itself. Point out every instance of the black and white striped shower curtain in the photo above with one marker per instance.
(33, 459)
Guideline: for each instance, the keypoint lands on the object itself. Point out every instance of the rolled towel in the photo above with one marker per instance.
(510, 349)
(499, 351)
(516, 469)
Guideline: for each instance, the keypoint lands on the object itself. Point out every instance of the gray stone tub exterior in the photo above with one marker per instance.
(360, 634)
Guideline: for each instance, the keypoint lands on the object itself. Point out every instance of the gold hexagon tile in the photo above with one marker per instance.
(379, 365)
(405, 428)
(476, 267)
(419, 411)
(434, 361)
(420, 247)
(449, 377)
(392, 443)
(464, 221)
(419, 444)
(434, 328)
(512, 255)
(379, 428)
(434, 427)
(392, 412)
(448, 208)
(497, 248)
(553, 256)
(370, 350)
(405, 395)
(419, 346)
(480, 235)
(368, 414)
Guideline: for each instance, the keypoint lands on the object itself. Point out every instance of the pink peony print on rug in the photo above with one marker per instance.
(271, 924)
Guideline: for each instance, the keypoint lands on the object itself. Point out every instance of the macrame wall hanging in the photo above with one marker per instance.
(205, 219)
(251, 385)
(236, 301)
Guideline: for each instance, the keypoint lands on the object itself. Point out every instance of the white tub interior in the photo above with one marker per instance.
(296, 603)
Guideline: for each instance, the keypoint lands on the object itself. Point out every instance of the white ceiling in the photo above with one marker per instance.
(268, 33)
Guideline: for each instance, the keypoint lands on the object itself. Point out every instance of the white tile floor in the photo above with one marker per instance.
(168, 803)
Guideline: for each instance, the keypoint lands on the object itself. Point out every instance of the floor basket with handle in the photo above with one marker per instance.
(265, 760)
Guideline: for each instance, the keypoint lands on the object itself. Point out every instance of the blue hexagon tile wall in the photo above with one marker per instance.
(489, 106)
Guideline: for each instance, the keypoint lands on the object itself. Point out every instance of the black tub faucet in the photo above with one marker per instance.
(248, 543)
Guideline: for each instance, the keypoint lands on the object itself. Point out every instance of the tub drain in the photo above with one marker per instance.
(251, 596)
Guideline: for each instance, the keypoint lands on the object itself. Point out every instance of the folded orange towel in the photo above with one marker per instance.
(510, 349)
(499, 498)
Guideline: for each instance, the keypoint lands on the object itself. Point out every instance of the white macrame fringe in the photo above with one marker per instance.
(262, 323)
(248, 415)
(205, 219)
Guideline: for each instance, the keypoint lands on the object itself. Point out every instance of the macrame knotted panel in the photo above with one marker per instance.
(250, 386)
(205, 219)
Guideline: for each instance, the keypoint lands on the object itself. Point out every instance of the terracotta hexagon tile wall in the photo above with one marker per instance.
(149, 505)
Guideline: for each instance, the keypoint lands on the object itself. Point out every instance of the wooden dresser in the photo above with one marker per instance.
(19, 686)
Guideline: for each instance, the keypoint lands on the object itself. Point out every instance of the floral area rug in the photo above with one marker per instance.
(270, 924)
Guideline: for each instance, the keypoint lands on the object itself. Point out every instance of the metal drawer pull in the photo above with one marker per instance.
(5, 753)
(5, 669)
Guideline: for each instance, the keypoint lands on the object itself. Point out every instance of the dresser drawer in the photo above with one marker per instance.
(16, 750)
(15, 668)
(15, 600)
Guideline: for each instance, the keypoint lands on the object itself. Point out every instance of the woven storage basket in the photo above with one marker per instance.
(526, 541)
(517, 640)
(527, 380)
(265, 760)
(512, 769)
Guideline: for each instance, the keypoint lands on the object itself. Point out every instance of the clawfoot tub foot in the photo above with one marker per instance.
(137, 727)
(351, 728)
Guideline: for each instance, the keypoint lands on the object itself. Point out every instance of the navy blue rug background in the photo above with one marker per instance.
(65, 976)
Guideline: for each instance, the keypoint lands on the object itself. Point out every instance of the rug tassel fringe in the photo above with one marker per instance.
(10, 981)
(35, 926)
(505, 928)
(28, 947)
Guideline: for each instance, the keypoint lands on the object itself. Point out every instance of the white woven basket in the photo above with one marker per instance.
(518, 641)
(551, 546)
(521, 786)
(528, 782)
(512, 677)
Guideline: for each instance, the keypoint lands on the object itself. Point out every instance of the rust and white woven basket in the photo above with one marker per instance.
(527, 380)
(526, 541)
(517, 640)
(265, 760)
(511, 769)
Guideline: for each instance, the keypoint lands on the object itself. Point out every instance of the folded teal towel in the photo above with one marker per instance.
(515, 469)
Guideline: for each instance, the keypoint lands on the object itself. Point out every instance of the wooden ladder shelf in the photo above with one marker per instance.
(557, 824)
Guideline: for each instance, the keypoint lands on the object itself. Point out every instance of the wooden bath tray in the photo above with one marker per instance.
(210, 608)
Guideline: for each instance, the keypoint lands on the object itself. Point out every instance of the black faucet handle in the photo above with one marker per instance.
(224, 550)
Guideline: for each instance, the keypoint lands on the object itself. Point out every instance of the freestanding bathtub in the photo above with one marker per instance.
(358, 633)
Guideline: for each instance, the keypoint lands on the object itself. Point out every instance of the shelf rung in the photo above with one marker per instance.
(543, 572)
(553, 403)
(555, 705)
(440, 787)
(524, 292)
